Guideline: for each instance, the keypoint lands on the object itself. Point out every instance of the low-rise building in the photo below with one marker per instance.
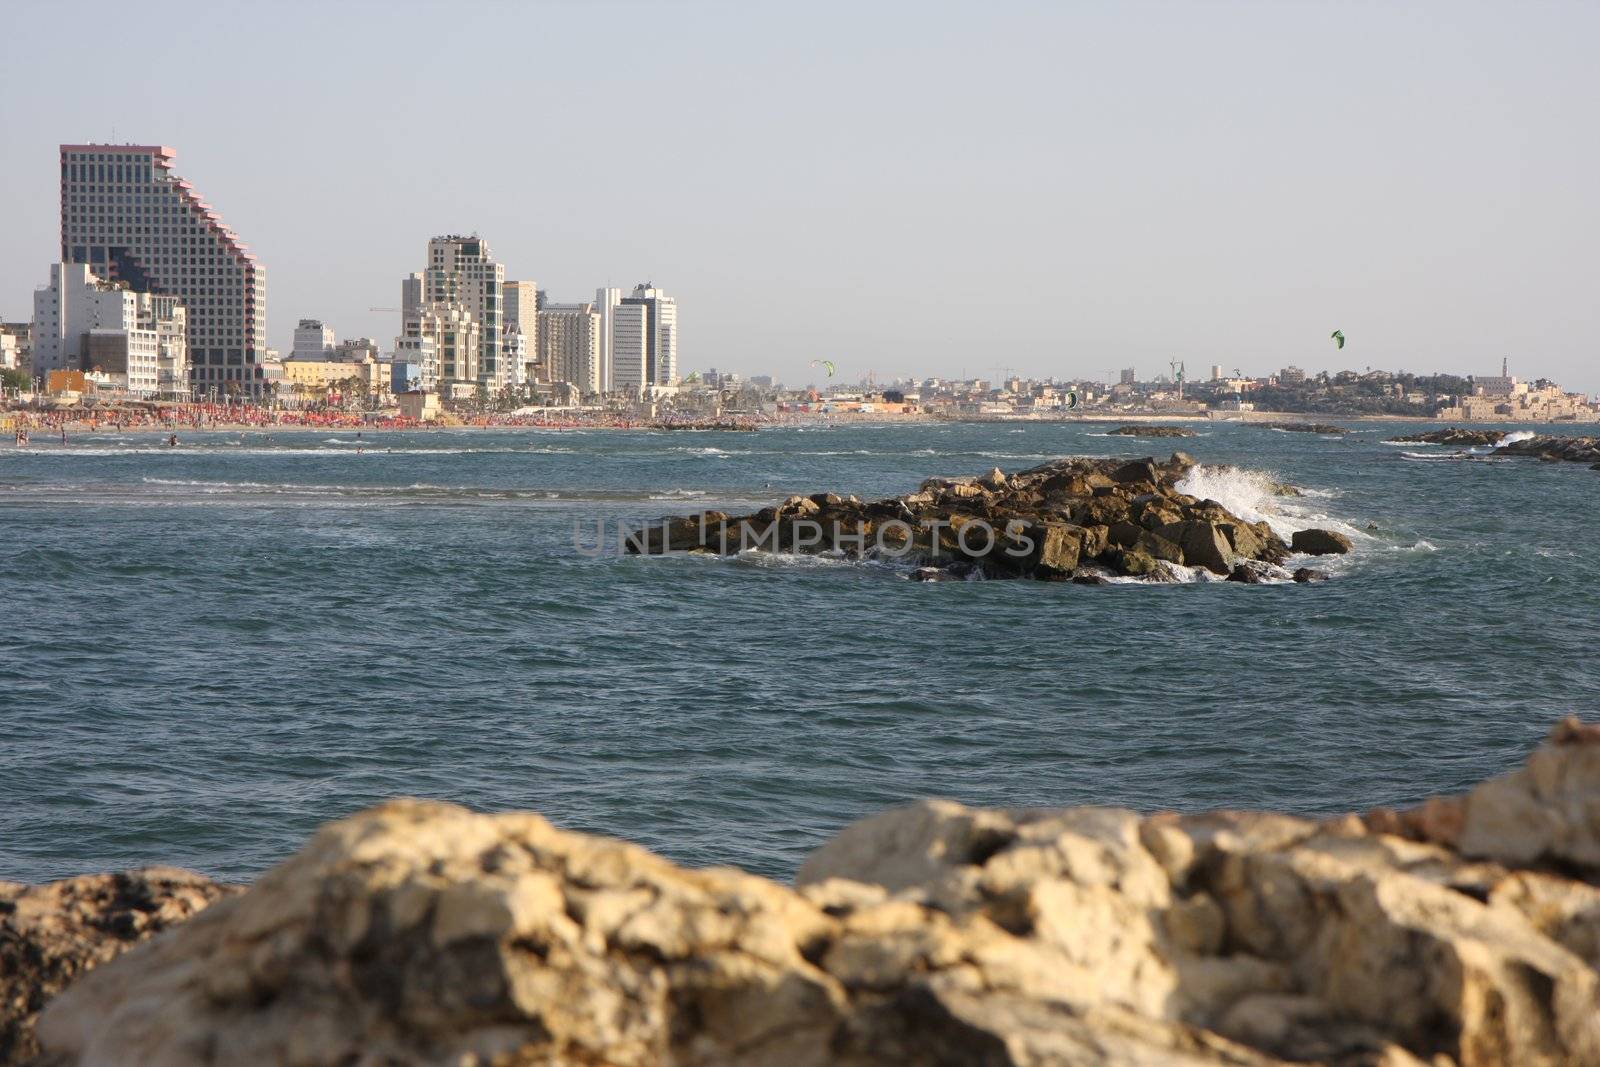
(317, 376)
(21, 344)
(137, 342)
(419, 406)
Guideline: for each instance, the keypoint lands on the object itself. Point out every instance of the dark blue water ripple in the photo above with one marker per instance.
(205, 652)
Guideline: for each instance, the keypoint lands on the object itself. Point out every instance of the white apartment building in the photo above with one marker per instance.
(522, 316)
(660, 334)
(462, 274)
(312, 340)
(130, 219)
(137, 340)
(454, 342)
(569, 343)
(629, 348)
(418, 352)
(606, 301)
(16, 345)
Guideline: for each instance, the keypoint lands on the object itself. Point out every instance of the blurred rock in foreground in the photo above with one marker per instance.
(51, 934)
(1465, 932)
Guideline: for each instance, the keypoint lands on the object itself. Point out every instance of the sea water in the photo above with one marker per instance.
(207, 651)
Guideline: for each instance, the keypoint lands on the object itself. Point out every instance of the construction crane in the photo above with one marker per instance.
(395, 310)
(1177, 374)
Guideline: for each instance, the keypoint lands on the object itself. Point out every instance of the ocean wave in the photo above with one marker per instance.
(1253, 496)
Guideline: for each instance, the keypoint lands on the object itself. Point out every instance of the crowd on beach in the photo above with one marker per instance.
(205, 416)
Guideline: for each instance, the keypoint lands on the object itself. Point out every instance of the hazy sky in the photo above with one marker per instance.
(904, 188)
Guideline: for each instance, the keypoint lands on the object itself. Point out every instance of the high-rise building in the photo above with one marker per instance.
(630, 351)
(569, 342)
(130, 219)
(1129, 377)
(606, 301)
(312, 340)
(660, 333)
(462, 274)
(522, 317)
(137, 340)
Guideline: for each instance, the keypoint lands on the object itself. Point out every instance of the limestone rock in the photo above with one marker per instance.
(1320, 542)
(1547, 811)
(1205, 545)
(51, 934)
(419, 934)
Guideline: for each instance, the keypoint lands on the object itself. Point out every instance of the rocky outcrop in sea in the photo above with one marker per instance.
(1079, 519)
(1464, 933)
(1552, 449)
(1548, 447)
(1146, 430)
(1301, 427)
(1453, 435)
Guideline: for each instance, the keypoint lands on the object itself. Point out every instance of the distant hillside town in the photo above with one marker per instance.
(1496, 398)
(154, 299)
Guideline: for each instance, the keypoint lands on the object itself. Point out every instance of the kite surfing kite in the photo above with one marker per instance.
(825, 364)
(1072, 399)
(1338, 338)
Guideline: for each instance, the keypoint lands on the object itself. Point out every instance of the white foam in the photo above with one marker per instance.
(1252, 495)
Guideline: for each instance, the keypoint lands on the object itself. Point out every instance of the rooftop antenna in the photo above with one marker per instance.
(1505, 364)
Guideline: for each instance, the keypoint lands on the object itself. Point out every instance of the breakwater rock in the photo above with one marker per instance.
(1548, 447)
(1073, 519)
(1141, 430)
(1465, 933)
(736, 425)
(1301, 427)
(1454, 435)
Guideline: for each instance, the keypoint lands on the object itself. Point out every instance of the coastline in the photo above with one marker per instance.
(82, 427)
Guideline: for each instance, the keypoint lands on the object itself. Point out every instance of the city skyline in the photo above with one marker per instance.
(950, 195)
